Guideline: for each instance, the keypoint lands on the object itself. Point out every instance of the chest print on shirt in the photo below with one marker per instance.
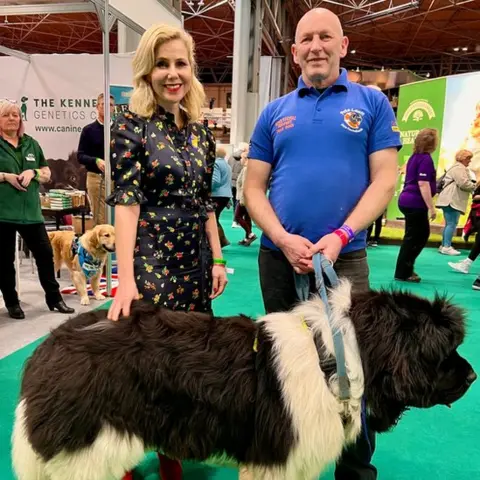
(352, 120)
(285, 123)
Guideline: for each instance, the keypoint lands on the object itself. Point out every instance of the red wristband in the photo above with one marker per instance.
(343, 236)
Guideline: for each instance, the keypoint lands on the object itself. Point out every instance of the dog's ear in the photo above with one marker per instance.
(444, 329)
(92, 238)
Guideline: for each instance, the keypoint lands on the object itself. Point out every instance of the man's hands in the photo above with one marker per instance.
(330, 245)
(299, 251)
(101, 164)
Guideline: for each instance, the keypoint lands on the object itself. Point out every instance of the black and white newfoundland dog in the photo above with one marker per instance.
(96, 395)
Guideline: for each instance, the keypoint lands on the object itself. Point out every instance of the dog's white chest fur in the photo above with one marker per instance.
(314, 409)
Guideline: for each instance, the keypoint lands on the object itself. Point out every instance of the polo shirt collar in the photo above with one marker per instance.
(340, 84)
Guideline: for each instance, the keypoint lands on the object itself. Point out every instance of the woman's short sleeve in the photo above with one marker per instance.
(127, 161)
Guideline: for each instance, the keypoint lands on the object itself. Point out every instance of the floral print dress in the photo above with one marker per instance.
(168, 172)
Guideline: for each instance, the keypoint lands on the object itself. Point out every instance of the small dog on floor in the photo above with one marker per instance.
(84, 257)
(97, 394)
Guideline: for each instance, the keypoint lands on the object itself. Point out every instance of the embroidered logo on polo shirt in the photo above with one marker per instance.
(30, 157)
(285, 123)
(352, 120)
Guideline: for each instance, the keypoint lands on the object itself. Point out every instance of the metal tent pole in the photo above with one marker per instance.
(106, 128)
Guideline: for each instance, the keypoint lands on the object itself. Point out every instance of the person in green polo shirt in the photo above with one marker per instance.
(22, 168)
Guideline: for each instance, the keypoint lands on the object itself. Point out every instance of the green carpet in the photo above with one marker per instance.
(437, 444)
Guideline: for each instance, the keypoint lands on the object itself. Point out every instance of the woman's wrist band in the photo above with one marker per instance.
(37, 174)
(220, 261)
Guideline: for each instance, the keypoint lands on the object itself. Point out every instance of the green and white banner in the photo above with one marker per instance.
(452, 106)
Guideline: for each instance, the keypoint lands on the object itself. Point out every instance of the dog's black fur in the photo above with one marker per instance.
(186, 381)
(192, 384)
(409, 353)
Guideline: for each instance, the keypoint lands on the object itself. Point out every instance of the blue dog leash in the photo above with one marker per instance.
(324, 268)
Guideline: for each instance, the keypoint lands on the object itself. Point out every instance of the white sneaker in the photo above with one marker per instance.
(449, 251)
(462, 267)
(235, 225)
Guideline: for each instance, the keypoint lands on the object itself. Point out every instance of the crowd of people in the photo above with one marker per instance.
(417, 203)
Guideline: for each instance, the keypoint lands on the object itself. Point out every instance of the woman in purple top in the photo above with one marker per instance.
(416, 203)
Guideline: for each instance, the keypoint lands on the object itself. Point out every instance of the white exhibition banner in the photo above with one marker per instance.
(58, 94)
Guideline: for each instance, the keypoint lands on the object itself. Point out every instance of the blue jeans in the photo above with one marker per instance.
(451, 221)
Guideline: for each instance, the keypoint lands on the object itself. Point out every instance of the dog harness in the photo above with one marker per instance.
(89, 265)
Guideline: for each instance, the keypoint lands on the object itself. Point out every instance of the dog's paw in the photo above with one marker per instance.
(84, 301)
(100, 296)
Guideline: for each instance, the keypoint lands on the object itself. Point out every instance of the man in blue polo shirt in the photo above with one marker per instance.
(328, 154)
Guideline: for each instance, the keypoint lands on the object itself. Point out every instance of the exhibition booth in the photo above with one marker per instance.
(452, 106)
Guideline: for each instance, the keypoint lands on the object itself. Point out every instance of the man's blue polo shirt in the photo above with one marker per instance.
(319, 147)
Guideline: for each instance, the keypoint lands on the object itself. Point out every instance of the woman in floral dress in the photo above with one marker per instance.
(168, 248)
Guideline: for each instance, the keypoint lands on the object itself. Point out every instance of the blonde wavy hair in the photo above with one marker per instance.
(143, 101)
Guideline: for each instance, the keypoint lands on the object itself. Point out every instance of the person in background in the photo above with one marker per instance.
(378, 230)
(459, 183)
(167, 244)
(22, 169)
(416, 204)
(91, 154)
(464, 265)
(236, 166)
(221, 190)
(306, 147)
(242, 216)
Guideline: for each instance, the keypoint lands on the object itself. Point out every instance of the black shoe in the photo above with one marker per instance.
(60, 306)
(16, 312)
(476, 284)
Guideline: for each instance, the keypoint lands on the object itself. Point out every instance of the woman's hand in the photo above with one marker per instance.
(219, 280)
(14, 181)
(432, 213)
(26, 177)
(126, 293)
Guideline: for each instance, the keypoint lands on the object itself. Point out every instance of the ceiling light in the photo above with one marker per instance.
(353, 52)
(465, 49)
(413, 4)
(456, 49)
(427, 74)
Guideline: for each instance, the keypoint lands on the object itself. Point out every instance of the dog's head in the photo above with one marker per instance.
(409, 352)
(101, 237)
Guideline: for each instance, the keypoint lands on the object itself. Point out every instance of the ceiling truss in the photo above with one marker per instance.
(435, 37)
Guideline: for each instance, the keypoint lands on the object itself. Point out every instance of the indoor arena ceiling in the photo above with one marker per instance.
(429, 37)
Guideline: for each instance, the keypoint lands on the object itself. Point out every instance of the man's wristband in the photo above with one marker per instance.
(36, 175)
(345, 233)
(220, 261)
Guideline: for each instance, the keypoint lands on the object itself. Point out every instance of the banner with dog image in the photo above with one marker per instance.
(57, 95)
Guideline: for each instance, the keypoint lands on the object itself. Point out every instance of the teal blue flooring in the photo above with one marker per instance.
(435, 444)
